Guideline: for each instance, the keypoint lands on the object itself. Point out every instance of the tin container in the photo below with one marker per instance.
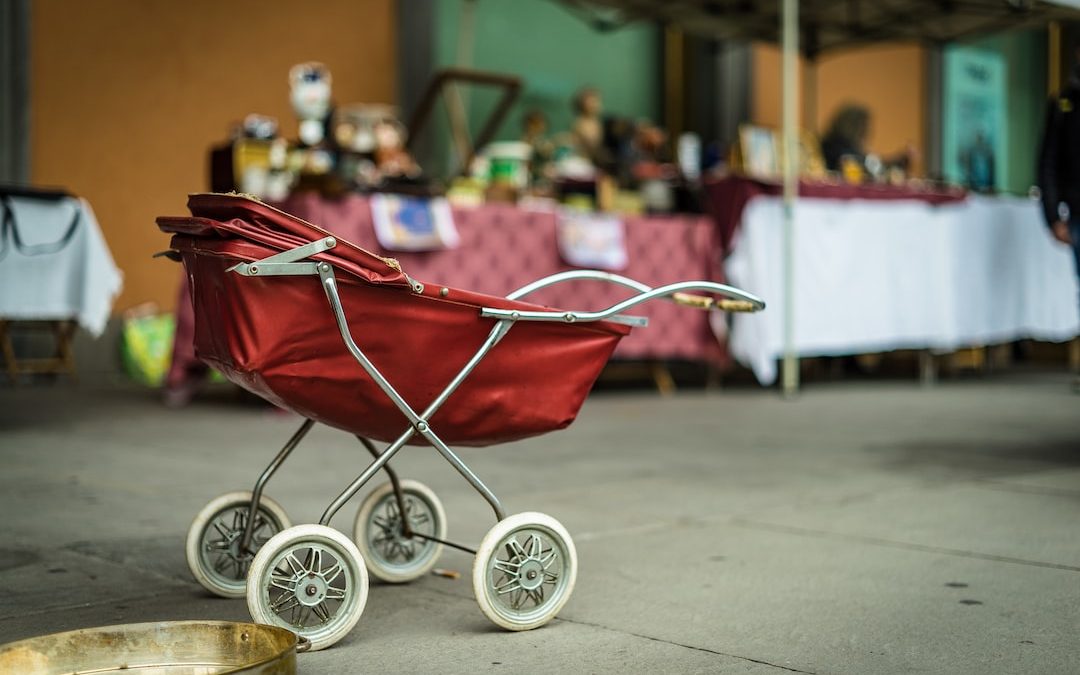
(163, 648)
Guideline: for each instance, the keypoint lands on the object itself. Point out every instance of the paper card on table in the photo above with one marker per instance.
(413, 224)
(592, 240)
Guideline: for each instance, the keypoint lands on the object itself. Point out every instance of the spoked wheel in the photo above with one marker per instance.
(213, 541)
(309, 579)
(380, 536)
(524, 571)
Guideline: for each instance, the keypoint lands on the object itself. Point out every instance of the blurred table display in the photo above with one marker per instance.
(503, 247)
(887, 274)
(54, 266)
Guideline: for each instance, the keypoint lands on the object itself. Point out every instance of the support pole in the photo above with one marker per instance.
(790, 370)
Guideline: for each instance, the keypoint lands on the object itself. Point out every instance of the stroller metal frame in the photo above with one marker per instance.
(291, 263)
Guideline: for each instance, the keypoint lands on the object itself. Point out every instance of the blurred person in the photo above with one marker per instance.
(977, 163)
(1059, 168)
(847, 135)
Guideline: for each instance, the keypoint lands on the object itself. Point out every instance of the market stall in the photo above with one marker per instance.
(879, 275)
(56, 272)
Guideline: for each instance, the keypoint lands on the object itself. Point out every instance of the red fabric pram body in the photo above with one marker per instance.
(277, 336)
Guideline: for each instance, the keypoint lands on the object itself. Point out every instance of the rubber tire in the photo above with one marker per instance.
(374, 565)
(488, 548)
(261, 567)
(203, 518)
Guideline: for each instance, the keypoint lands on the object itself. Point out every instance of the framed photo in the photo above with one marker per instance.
(413, 224)
(758, 150)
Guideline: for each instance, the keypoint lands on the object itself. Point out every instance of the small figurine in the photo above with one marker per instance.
(310, 96)
(648, 155)
(354, 125)
(588, 128)
(391, 158)
(534, 128)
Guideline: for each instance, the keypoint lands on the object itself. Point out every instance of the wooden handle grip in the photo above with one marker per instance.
(706, 302)
(695, 301)
(736, 306)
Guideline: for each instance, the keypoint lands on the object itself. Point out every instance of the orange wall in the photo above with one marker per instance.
(128, 95)
(887, 79)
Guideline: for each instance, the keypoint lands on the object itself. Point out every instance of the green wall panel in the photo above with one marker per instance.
(555, 52)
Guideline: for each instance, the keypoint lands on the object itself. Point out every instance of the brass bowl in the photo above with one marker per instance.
(162, 648)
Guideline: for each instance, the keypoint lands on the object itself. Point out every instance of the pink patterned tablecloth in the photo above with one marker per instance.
(505, 247)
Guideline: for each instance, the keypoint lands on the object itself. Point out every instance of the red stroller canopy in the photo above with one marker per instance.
(277, 336)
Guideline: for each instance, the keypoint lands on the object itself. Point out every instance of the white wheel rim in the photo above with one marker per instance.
(385, 543)
(312, 588)
(528, 574)
(220, 558)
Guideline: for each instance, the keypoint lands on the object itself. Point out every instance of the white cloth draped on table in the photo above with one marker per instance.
(874, 276)
(46, 276)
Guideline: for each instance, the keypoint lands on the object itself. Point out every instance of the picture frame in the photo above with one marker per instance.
(758, 151)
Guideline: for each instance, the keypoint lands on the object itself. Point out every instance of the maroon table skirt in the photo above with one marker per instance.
(725, 198)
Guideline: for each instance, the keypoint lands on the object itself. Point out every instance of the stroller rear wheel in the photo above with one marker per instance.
(524, 571)
(213, 540)
(390, 555)
(309, 579)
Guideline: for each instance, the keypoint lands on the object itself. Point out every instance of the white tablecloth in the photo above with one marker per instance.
(875, 276)
(50, 280)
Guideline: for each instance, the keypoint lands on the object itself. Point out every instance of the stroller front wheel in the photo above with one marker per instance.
(311, 580)
(524, 571)
(213, 541)
(379, 532)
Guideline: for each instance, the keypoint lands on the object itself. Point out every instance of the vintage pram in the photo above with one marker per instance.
(341, 336)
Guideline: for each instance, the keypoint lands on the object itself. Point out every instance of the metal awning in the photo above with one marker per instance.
(828, 25)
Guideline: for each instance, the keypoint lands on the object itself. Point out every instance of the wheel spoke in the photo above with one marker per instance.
(517, 598)
(534, 545)
(515, 550)
(222, 563)
(335, 593)
(537, 595)
(507, 566)
(549, 560)
(322, 612)
(283, 582)
(301, 616)
(239, 519)
(315, 556)
(297, 568)
(283, 602)
(382, 538)
(332, 573)
(223, 531)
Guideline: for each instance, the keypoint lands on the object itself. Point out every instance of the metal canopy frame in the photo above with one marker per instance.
(831, 25)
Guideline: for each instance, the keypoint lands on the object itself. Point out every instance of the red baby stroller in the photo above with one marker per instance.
(461, 368)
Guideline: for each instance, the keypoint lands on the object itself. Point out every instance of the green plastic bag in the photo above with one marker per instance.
(146, 347)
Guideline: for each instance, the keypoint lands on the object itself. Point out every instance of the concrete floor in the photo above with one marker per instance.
(865, 528)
